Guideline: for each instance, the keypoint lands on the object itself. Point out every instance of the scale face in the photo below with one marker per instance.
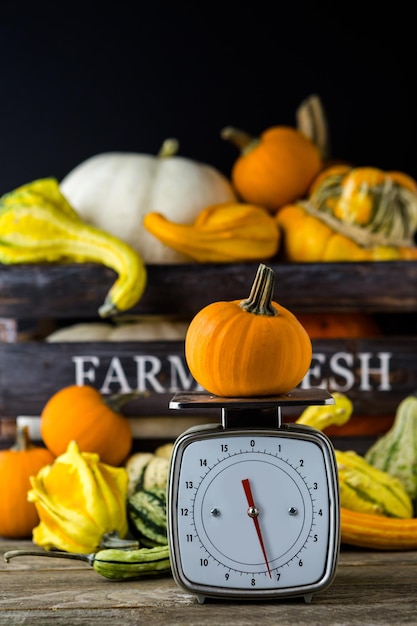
(253, 510)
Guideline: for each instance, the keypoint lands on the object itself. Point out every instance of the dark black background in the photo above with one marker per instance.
(79, 79)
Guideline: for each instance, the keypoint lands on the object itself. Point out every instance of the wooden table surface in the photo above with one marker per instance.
(369, 588)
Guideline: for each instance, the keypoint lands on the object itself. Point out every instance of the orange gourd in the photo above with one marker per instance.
(18, 516)
(79, 413)
(252, 347)
(274, 169)
(377, 532)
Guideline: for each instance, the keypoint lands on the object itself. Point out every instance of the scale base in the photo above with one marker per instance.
(307, 598)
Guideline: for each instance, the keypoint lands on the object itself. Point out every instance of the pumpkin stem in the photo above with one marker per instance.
(239, 138)
(116, 401)
(22, 439)
(260, 297)
(168, 149)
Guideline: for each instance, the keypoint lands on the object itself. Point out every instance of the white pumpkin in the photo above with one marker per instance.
(145, 330)
(114, 190)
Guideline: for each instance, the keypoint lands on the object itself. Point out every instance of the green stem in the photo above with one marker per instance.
(260, 297)
(241, 139)
(116, 401)
(88, 558)
(22, 439)
(168, 149)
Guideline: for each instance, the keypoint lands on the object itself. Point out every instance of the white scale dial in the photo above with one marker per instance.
(253, 512)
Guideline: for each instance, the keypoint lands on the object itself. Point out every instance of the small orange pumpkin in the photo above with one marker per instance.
(274, 169)
(79, 413)
(18, 516)
(252, 347)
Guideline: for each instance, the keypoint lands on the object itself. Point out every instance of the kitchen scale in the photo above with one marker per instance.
(253, 503)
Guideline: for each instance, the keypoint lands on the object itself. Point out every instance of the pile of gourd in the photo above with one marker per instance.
(284, 197)
(44, 490)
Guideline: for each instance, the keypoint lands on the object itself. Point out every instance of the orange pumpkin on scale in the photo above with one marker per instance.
(251, 347)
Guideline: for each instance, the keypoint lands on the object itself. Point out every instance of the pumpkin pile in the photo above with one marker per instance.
(284, 199)
(77, 470)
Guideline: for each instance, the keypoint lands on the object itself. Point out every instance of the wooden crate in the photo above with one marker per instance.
(376, 373)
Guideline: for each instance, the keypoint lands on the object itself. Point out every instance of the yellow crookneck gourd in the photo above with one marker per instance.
(38, 225)
(222, 233)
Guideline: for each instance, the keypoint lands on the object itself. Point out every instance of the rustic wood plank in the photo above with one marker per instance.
(370, 587)
(31, 372)
(77, 290)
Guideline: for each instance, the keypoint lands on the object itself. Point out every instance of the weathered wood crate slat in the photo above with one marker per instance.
(376, 373)
(68, 291)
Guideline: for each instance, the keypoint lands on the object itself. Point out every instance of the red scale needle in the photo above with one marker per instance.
(253, 513)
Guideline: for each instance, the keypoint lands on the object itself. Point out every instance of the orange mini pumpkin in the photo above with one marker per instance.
(79, 413)
(18, 516)
(252, 347)
(274, 169)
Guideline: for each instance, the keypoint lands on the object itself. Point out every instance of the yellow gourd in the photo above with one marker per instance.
(222, 233)
(382, 203)
(352, 214)
(38, 225)
(79, 500)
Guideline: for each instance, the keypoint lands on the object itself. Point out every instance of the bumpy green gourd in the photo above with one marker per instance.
(366, 489)
(396, 451)
(112, 563)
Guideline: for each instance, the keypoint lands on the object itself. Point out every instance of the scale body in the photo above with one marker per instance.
(253, 504)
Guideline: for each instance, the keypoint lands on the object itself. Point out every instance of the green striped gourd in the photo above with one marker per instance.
(147, 516)
(366, 489)
(395, 452)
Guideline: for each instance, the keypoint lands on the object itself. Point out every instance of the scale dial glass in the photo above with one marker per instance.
(253, 512)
